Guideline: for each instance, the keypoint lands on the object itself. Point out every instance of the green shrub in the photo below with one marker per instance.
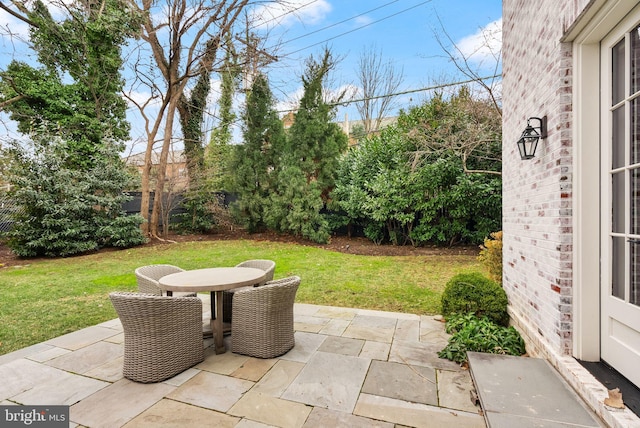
(491, 256)
(65, 209)
(474, 293)
(471, 333)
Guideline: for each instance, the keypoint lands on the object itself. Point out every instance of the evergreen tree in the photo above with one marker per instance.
(256, 161)
(69, 182)
(65, 210)
(309, 163)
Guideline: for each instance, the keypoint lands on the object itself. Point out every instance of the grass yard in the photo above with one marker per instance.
(45, 299)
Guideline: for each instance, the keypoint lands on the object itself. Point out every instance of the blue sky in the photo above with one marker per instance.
(402, 31)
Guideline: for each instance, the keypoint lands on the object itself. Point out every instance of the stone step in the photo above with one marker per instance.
(526, 392)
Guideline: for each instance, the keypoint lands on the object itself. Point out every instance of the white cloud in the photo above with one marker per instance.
(13, 26)
(484, 46)
(140, 98)
(361, 21)
(291, 12)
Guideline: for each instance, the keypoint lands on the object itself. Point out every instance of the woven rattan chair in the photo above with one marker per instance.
(162, 335)
(148, 277)
(262, 323)
(269, 266)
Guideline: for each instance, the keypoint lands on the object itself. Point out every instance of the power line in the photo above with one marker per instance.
(238, 120)
(409, 91)
(284, 14)
(359, 28)
(337, 23)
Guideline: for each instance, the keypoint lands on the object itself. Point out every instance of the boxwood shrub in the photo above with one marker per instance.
(474, 293)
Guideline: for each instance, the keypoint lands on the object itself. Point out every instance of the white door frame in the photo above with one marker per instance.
(620, 328)
(586, 34)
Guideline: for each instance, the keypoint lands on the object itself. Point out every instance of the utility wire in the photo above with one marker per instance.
(358, 28)
(409, 91)
(284, 14)
(238, 120)
(337, 23)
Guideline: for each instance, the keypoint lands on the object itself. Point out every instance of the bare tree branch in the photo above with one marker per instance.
(378, 81)
(463, 64)
(22, 16)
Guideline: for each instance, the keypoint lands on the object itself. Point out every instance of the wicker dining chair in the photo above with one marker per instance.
(269, 266)
(262, 323)
(148, 276)
(162, 335)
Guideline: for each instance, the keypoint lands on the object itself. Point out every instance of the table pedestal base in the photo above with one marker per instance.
(217, 327)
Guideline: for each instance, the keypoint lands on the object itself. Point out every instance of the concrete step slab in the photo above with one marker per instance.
(526, 392)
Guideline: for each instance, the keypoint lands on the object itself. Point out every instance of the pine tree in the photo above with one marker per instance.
(310, 160)
(256, 160)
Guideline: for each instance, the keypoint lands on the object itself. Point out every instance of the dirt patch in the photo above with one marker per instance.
(343, 244)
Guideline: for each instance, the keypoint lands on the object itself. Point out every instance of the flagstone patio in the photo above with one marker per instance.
(349, 367)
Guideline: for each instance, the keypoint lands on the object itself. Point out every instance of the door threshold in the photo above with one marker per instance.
(612, 379)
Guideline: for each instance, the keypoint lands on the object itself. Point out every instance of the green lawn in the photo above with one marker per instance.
(45, 299)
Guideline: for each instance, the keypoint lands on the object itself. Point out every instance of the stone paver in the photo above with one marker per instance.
(407, 330)
(420, 354)
(81, 338)
(270, 410)
(414, 414)
(454, 390)
(211, 391)
(117, 404)
(27, 382)
(49, 354)
(225, 364)
(349, 367)
(373, 333)
(87, 358)
(416, 384)
(342, 345)
(335, 313)
(513, 390)
(278, 379)
(254, 369)
(248, 423)
(21, 375)
(329, 380)
(335, 327)
(310, 324)
(375, 350)
(306, 345)
(173, 414)
(320, 417)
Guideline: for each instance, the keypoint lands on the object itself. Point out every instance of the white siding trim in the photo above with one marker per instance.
(586, 208)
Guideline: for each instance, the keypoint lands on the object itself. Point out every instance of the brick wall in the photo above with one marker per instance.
(537, 194)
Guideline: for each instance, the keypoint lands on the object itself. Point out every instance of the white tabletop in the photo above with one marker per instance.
(212, 279)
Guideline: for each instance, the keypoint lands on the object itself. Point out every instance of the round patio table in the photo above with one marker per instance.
(214, 280)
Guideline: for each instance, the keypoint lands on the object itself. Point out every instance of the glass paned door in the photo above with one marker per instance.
(620, 290)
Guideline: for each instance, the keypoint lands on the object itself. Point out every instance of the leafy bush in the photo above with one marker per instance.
(476, 294)
(491, 256)
(410, 183)
(198, 217)
(65, 210)
(471, 333)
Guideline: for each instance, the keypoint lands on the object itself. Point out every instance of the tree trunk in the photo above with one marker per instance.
(162, 165)
(146, 189)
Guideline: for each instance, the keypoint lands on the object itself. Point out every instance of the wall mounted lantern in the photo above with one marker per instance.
(528, 141)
